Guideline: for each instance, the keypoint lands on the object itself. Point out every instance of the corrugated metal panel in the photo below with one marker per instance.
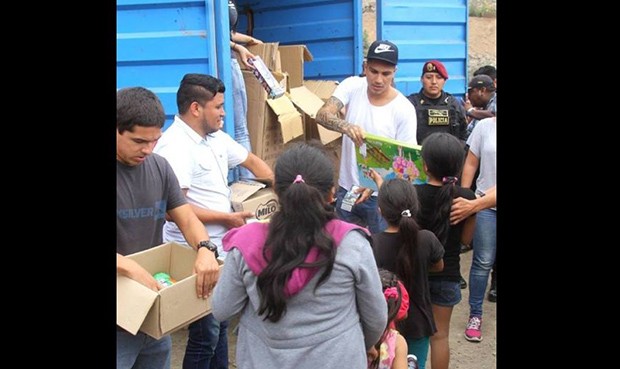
(330, 29)
(425, 30)
(158, 41)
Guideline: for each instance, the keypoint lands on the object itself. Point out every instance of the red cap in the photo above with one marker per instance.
(435, 66)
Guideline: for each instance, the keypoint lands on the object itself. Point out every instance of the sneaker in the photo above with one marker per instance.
(412, 361)
(472, 332)
(463, 283)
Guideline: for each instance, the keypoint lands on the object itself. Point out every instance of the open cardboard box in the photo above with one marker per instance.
(157, 314)
(255, 197)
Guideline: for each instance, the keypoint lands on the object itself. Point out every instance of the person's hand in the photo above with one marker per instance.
(207, 272)
(237, 219)
(461, 209)
(244, 55)
(372, 354)
(375, 176)
(356, 133)
(136, 272)
(365, 194)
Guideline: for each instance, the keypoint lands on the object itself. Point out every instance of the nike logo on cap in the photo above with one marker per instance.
(383, 48)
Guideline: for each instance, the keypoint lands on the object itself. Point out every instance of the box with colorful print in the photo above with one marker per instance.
(390, 158)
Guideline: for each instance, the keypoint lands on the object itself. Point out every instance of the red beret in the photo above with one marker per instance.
(435, 66)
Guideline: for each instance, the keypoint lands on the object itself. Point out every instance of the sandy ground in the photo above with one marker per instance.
(464, 354)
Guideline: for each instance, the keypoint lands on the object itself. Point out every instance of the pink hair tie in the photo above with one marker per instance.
(390, 292)
(299, 179)
(449, 180)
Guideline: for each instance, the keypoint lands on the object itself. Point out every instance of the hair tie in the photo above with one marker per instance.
(406, 213)
(299, 179)
(449, 180)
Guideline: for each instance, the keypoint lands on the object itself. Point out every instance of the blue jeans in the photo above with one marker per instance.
(240, 104)
(207, 344)
(365, 214)
(485, 245)
(444, 293)
(142, 351)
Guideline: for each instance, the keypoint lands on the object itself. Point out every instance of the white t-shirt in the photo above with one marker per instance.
(483, 143)
(396, 120)
(201, 165)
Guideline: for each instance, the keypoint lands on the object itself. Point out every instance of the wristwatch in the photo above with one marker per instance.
(209, 245)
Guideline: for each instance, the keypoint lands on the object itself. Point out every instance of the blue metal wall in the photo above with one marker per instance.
(332, 31)
(425, 30)
(159, 41)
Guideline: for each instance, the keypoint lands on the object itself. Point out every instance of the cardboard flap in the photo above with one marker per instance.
(133, 302)
(241, 190)
(310, 104)
(292, 58)
(324, 89)
(289, 118)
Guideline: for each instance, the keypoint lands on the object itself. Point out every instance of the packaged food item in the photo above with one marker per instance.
(266, 79)
(163, 279)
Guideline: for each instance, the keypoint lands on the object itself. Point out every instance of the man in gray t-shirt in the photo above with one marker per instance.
(147, 189)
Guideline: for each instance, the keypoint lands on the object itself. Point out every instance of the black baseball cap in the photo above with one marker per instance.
(383, 50)
(480, 81)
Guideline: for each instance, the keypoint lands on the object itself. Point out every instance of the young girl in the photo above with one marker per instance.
(443, 155)
(391, 350)
(410, 253)
(306, 284)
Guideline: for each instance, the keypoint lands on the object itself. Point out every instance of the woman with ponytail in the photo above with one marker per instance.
(443, 156)
(306, 284)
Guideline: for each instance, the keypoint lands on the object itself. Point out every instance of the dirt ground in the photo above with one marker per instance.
(464, 354)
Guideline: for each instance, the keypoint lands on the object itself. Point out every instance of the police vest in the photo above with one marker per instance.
(440, 116)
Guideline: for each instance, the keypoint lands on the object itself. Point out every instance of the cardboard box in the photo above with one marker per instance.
(268, 52)
(310, 104)
(160, 313)
(254, 197)
(292, 58)
(271, 122)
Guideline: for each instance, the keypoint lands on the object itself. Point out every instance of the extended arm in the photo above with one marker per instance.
(244, 53)
(205, 267)
(329, 117)
(133, 270)
(463, 208)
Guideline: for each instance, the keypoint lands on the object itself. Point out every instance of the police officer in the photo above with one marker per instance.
(437, 110)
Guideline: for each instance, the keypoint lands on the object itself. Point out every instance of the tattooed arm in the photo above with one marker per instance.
(329, 117)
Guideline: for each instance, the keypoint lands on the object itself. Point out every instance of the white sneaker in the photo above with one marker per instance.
(412, 361)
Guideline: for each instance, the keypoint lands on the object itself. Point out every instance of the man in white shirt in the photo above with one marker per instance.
(372, 105)
(201, 155)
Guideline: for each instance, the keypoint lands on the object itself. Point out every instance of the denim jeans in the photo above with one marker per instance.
(240, 105)
(485, 245)
(142, 351)
(207, 344)
(365, 214)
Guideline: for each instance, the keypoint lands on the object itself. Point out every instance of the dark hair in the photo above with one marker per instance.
(488, 70)
(298, 225)
(388, 279)
(443, 155)
(137, 106)
(396, 196)
(197, 87)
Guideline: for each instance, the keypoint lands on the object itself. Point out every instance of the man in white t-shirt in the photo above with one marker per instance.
(372, 105)
(201, 155)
